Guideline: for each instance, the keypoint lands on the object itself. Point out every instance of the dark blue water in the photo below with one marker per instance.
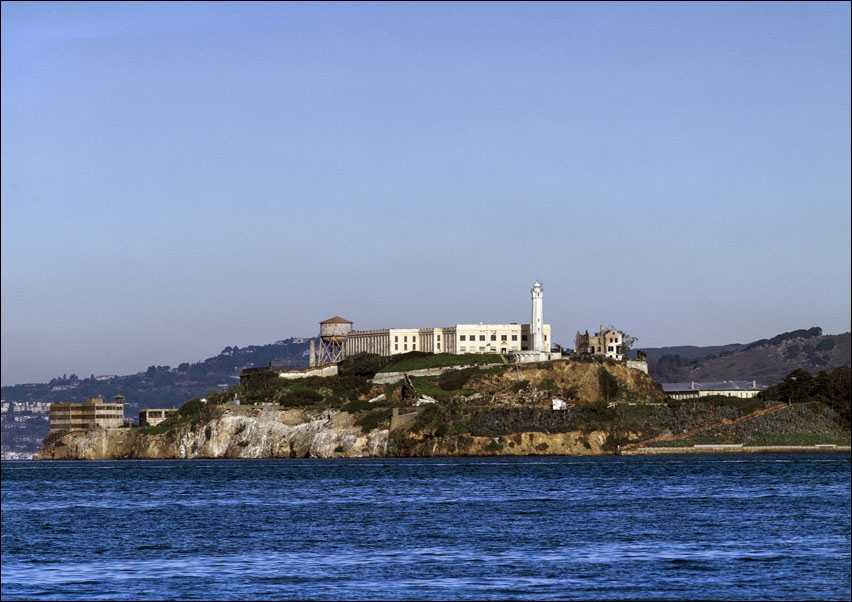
(605, 528)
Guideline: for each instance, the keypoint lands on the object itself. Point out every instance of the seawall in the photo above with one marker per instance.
(736, 449)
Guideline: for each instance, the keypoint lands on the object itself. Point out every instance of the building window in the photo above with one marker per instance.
(482, 338)
(395, 347)
(514, 337)
(462, 338)
(462, 348)
(439, 337)
(405, 339)
(396, 339)
(503, 337)
(493, 337)
(405, 347)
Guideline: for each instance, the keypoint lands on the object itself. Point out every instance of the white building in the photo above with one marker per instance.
(506, 338)
(744, 389)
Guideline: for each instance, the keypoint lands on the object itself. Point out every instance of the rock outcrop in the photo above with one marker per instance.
(234, 432)
(245, 432)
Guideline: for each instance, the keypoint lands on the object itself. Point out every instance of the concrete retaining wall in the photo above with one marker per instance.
(326, 370)
(385, 378)
(737, 449)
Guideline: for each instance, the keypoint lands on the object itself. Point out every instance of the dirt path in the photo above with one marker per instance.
(723, 422)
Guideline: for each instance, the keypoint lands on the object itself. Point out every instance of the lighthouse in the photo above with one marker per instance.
(537, 323)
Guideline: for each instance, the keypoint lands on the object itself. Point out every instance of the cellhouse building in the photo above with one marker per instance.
(519, 342)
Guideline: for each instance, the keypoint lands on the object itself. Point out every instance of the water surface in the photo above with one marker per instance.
(603, 528)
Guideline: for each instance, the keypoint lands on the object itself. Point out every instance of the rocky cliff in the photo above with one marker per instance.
(273, 433)
(232, 432)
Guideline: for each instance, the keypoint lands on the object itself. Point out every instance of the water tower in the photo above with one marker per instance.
(332, 335)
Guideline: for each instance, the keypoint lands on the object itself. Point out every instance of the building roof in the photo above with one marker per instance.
(725, 385)
(336, 320)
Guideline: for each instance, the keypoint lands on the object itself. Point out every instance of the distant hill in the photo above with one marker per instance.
(165, 386)
(766, 361)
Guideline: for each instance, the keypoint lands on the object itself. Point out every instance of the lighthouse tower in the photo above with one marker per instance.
(537, 323)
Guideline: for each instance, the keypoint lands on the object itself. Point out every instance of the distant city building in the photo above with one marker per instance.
(154, 416)
(338, 340)
(609, 343)
(745, 389)
(93, 413)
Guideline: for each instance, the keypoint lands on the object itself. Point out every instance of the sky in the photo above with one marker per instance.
(178, 178)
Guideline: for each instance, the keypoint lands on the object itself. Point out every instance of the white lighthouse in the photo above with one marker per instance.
(537, 323)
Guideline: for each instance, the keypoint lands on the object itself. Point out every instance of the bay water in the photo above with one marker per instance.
(721, 527)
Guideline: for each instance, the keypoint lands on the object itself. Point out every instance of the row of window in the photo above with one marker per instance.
(481, 349)
(462, 337)
(405, 338)
(503, 337)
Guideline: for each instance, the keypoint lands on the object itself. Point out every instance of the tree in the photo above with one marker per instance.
(627, 342)
(608, 384)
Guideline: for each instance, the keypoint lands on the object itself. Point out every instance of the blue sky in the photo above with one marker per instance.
(182, 177)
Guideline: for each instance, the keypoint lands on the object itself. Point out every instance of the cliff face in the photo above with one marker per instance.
(237, 432)
(274, 433)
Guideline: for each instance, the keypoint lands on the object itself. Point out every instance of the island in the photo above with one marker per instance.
(433, 405)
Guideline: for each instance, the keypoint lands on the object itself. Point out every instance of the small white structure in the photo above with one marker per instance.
(744, 389)
(559, 404)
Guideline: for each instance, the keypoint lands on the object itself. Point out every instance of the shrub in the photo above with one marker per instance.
(370, 422)
(192, 408)
(825, 345)
(358, 405)
(454, 380)
(599, 412)
(608, 384)
(548, 384)
(362, 364)
(300, 398)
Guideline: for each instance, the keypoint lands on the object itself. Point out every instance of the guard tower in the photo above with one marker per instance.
(332, 336)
